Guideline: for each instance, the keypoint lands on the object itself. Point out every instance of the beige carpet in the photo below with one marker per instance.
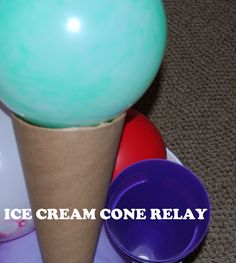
(193, 103)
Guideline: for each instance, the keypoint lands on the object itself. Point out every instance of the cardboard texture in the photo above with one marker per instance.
(68, 168)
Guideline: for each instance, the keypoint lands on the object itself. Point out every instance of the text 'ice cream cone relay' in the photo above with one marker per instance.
(69, 70)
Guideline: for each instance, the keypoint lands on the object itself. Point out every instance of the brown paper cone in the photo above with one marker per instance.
(68, 168)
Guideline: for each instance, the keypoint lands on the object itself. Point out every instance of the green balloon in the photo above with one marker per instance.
(67, 63)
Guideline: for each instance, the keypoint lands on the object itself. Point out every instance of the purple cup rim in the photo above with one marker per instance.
(184, 253)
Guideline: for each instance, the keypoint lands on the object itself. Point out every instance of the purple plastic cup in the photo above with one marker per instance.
(157, 184)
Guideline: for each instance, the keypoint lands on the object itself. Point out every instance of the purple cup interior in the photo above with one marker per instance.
(157, 184)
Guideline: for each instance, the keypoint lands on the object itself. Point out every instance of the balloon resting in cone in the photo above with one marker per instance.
(78, 63)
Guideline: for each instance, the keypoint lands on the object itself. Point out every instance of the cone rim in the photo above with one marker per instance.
(85, 128)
